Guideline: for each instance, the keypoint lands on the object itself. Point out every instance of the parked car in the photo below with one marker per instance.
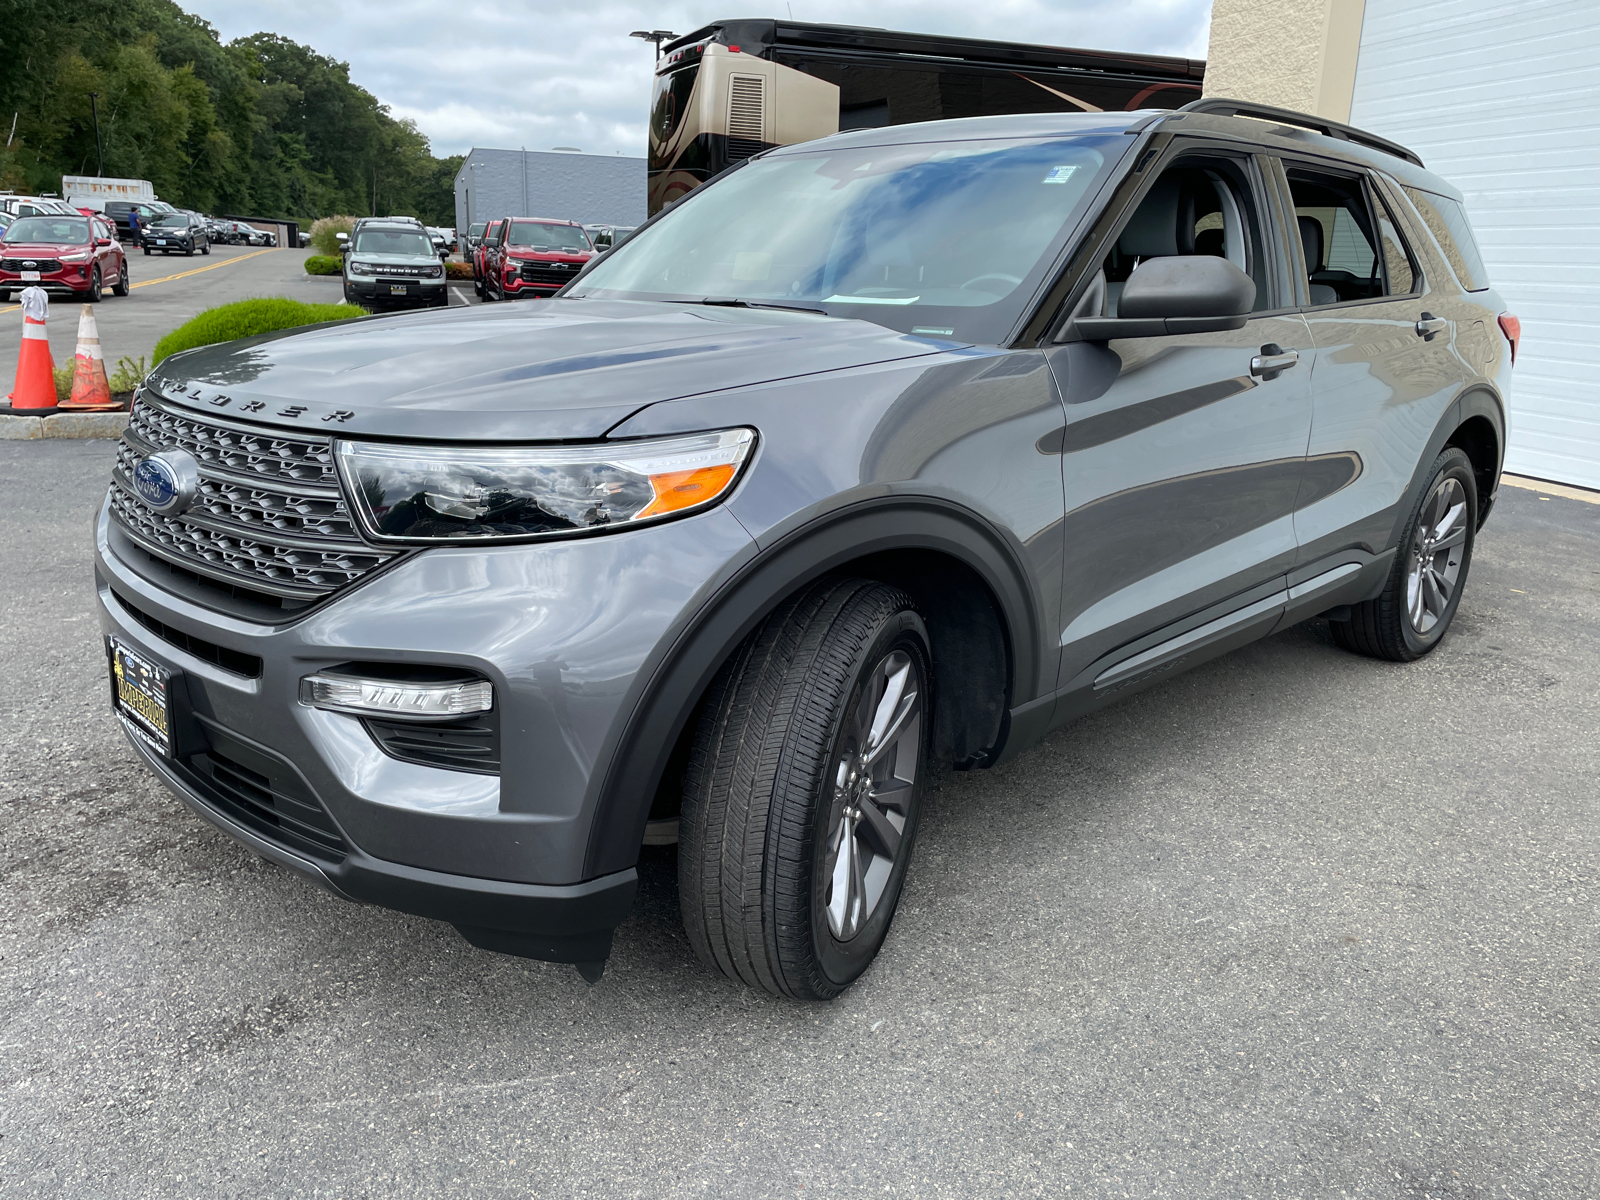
(606, 236)
(177, 233)
(488, 240)
(475, 235)
(251, 236)
(76, 255)
(533, 256)
(393, 266)
(888, 450)
(14, 206)
(305, 239)
(116, 211)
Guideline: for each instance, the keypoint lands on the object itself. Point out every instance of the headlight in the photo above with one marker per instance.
(80, 256)
(434, 272)
(361, 269)
(424, 494)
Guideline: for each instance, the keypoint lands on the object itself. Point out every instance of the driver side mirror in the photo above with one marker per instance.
(1192, 293)
(100, 241)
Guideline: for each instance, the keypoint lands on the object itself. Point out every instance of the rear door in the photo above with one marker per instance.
(1182, 455)
(1386, 364)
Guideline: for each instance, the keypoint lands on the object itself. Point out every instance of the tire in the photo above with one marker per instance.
(121, 286)
(477, 287)
(1419, 600)
(95, 288)
(206, 248)
(5, 296)
(780, 808)
(188, 252)
(147, 251)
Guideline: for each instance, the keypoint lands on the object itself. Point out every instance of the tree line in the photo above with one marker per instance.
(260, 126)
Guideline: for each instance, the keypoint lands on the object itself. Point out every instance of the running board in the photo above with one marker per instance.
(1266, 611)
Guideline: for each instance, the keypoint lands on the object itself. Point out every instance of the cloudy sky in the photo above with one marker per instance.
(537, 74)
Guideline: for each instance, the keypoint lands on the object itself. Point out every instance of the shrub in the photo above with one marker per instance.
(64, 382)
(455, 270)
(247, 318)
(323, 229)
(129, 374)
(324, 264)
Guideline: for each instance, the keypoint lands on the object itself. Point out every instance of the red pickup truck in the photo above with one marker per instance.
(532, 256)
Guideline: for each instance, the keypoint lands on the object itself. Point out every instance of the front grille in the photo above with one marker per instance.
(268, 514)
(558, 273)
(266, 797)
(407, 272)
(33, 264)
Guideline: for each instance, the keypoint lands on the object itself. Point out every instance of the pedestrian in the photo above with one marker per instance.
(133, 225)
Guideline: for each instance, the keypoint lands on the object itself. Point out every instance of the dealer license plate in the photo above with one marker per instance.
(139, 688)
(30, 277)
(397, 289)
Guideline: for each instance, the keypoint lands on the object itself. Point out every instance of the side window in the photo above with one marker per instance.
(1447, 221)
(1400, 274)
(1196, 206)
(1339, 239)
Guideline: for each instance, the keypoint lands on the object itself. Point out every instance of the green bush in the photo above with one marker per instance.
(325, 264)
(323, 230)
(64, 382)
(247, 318)
(129, 374)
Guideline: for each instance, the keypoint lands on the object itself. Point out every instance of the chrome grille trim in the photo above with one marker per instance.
(268, 516)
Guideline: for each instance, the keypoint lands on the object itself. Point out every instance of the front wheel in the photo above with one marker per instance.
(95, 292)
(147, 251)
(121, 286)
(1410, 616)
(801, 800)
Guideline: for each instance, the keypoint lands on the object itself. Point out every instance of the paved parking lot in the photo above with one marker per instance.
(1295, 924)
(168, 290)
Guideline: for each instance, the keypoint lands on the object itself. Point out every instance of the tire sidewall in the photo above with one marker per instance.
(1458, 466)
(841, 963)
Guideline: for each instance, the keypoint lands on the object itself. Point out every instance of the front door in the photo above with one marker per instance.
(1182, 455)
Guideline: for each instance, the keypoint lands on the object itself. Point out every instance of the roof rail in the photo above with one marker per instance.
(1220, 107)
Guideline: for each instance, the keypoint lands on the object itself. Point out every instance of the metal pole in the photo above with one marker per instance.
(99, 153)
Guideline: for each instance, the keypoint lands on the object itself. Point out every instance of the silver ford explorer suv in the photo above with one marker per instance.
(881, 453)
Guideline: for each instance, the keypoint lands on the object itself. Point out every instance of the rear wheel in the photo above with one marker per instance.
(205, 247)
(801, 801)
(1410, 617)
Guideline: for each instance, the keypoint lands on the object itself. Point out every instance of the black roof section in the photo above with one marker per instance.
(761, 36)
(1218, 106)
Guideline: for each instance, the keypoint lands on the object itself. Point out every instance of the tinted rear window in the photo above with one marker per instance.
(1448, 223)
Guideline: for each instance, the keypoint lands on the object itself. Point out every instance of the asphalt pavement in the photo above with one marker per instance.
(1294, 924)
(168, 290)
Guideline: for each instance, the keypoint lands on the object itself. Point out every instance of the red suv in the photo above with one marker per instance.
(480, 254)
(77, 255)
(533, 257)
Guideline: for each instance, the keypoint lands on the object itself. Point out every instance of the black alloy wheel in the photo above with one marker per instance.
(188, 251)
(801, 799)
(121, 286)
(1419, 600)
(94, 293)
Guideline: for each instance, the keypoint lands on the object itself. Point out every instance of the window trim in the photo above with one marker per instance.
(1366, 179)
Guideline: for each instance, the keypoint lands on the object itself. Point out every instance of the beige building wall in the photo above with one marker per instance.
(1298, 54)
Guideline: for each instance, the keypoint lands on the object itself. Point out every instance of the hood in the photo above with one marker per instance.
(548, 255)
(552, 370)
(41, 249)
(395, 260)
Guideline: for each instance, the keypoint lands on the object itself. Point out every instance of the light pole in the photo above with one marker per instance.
(654, 35)
(99, 154)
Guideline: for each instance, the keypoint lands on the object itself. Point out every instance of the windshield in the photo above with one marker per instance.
(476, 229)
(49, 229)
(394, 241)
(172, 219)
(548, 237)
(945, 239)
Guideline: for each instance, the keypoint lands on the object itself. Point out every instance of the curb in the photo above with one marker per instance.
(63, 425)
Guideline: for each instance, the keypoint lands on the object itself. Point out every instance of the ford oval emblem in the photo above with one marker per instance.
(167, 482)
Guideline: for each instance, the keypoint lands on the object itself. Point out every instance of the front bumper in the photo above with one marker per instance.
(170, 244)
(566, 631)
(64, 281)
(378, 290)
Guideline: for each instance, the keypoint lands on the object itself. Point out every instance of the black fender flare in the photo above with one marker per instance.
(668, 686)
(1477, 400)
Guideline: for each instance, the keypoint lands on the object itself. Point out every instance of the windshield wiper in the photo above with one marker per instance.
(717, 302)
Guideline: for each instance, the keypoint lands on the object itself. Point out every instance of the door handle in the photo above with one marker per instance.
(1273, 361)
(1430, 325)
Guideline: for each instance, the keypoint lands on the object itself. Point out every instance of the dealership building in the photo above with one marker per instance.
(592, 189)
(1502, 101)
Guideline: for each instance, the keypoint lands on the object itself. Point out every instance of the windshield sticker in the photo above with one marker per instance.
(871, 300)
(1060, 174)
(932, 330)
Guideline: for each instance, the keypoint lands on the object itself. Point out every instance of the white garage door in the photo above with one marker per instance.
(1503, 100)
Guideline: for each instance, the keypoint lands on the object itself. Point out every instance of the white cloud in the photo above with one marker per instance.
(515, 73)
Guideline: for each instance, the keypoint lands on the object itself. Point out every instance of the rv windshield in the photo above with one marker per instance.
(671, 100)
(945, 239)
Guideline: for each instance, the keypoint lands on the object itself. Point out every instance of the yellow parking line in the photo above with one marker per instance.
(227, 262)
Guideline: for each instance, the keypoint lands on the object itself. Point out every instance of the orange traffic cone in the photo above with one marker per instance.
(36, 370)
(91, 391)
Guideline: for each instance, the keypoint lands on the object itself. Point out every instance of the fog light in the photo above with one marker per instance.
(392, 698)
